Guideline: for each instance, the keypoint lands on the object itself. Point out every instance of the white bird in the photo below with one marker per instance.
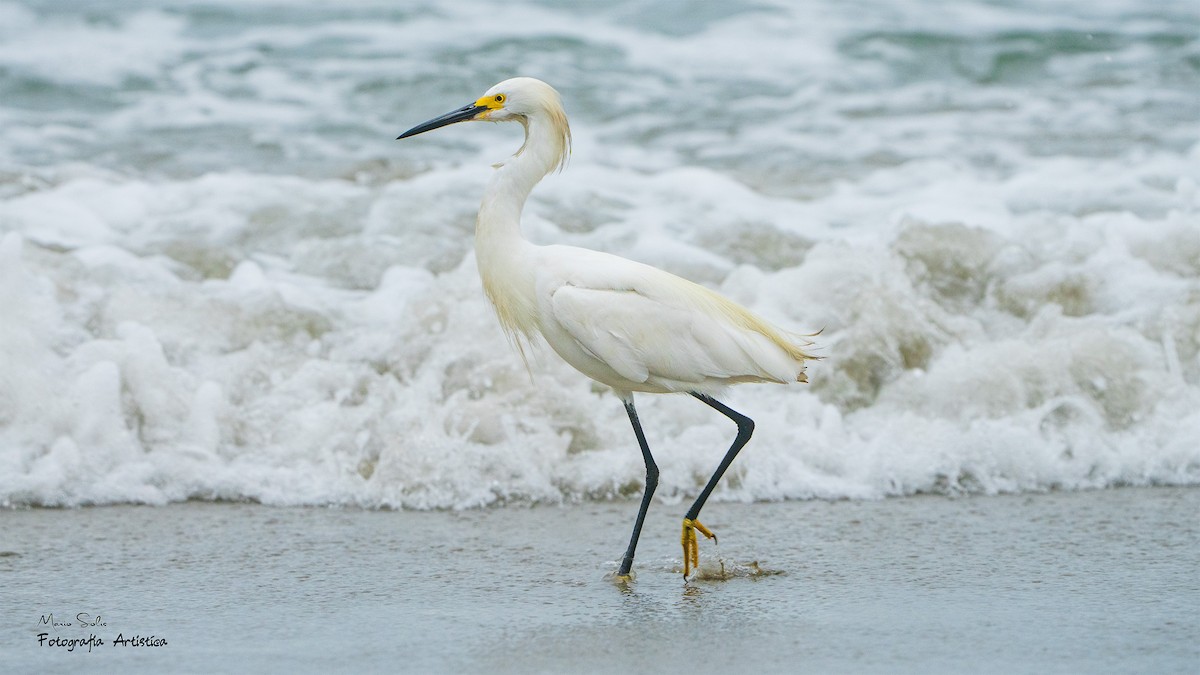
(630, 326)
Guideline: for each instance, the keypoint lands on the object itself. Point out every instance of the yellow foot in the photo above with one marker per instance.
(691, 548)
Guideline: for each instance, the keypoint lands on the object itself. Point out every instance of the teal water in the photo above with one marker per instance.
(826, 92)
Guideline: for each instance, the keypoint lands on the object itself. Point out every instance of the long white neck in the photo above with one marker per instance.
(504, 198)
(502, 253)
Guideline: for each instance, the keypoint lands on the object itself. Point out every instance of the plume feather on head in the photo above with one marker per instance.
(528, 98)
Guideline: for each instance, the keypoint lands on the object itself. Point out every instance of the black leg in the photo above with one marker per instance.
(651, 483)
(745, 427)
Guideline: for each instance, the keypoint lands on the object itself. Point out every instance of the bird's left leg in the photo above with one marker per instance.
(745, 425)
(651, 483)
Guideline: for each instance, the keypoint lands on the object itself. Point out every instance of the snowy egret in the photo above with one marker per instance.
(630, 326)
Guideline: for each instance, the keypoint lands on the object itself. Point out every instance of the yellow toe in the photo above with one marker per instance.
(691, 547)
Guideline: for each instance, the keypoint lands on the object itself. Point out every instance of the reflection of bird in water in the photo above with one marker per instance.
(622, 323)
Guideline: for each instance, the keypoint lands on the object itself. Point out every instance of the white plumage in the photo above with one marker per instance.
(630, 326)
(637, 328)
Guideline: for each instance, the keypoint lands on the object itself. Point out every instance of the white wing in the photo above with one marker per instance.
(646, 325)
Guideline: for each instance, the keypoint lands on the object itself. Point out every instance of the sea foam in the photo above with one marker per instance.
(221, 279)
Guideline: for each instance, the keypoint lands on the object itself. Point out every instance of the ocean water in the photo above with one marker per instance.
(1091, 582)
(221, 278)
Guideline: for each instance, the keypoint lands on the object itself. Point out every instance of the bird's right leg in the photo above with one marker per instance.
(651, 483)
(745, 425)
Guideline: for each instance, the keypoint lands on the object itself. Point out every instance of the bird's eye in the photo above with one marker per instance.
(499, 98)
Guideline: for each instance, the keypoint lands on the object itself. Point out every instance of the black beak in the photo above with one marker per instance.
(462, 114)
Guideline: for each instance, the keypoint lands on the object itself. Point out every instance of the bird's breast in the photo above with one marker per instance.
(508, 281)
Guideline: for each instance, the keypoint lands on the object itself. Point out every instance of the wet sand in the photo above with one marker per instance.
(1094, 582)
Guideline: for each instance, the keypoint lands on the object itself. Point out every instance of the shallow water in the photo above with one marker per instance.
(221, 277)
(1095, 581)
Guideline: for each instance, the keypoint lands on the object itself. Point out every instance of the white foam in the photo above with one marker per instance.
(997, 314)
(89, 53)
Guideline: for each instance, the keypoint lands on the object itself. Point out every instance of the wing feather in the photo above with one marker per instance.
(643, 337)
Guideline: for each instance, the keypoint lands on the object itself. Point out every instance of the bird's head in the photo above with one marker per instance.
(516, 99)
(526, 100)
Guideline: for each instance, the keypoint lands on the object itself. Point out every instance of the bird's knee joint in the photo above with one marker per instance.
(746, 426)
